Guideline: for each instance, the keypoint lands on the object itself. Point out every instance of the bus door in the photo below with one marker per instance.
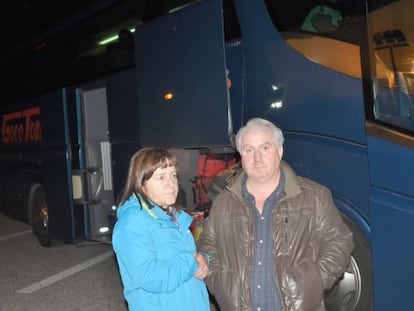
(95, 197)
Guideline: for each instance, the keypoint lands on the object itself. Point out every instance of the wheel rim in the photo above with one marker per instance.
(41, 218)
(44, 218)
(344, 296)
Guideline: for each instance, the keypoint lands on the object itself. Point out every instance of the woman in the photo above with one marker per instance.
(155, 249)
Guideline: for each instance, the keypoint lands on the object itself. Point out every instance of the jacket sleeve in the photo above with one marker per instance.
(336, 240)
(224, 280)
(207, 244)
(139, 261)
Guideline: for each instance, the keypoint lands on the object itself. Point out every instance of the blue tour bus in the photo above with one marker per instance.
(335, 75)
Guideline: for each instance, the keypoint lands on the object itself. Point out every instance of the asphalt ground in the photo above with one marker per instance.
(63, 277)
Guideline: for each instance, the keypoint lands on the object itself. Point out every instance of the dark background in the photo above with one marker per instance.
(26, 20)
(47, 44)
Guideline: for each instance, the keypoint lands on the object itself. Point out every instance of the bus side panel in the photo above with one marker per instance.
(386, 171)
(54, 174)
(392, 214)
(55, 181)
(340, 165)
(291, 90)
(393, 249)
(42, 157)
(11, 190)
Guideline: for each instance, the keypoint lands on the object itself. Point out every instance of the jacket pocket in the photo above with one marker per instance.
(282, 236)
(227, 288)
(305, 287)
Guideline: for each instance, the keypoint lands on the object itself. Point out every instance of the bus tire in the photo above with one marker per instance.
(353, 292)
(40, 218)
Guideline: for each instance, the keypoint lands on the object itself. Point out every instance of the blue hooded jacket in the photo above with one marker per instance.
(156, 261)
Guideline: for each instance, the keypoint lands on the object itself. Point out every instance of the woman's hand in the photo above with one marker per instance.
(202, 270)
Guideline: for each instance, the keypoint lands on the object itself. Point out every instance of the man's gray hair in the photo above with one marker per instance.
(255, 123)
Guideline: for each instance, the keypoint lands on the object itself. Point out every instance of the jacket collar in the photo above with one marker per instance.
(157, 212)
(292, 187)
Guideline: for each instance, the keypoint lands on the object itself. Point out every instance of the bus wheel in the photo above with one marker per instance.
(353, 292)
(40, 220)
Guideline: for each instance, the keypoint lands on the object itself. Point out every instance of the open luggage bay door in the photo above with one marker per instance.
(182, 90)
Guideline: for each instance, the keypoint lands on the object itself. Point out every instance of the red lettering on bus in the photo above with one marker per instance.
(20, 126)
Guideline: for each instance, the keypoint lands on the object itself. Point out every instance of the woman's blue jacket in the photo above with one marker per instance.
(156, 261)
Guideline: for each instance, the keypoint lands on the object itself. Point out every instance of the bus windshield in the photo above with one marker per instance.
(391, 39)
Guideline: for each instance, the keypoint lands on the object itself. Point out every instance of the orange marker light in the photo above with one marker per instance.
(168, 96)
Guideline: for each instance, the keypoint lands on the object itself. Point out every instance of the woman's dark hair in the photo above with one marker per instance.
(141, 168)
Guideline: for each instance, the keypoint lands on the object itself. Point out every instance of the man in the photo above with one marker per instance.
(274, 240)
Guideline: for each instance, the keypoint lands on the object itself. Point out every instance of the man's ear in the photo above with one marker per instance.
(280, 151)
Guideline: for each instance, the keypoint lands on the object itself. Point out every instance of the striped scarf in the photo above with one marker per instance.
(172, 214)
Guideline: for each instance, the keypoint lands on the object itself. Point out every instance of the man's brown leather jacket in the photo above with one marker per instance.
(311, 245)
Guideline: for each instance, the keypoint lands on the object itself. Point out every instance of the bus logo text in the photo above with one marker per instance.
(21, 126)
